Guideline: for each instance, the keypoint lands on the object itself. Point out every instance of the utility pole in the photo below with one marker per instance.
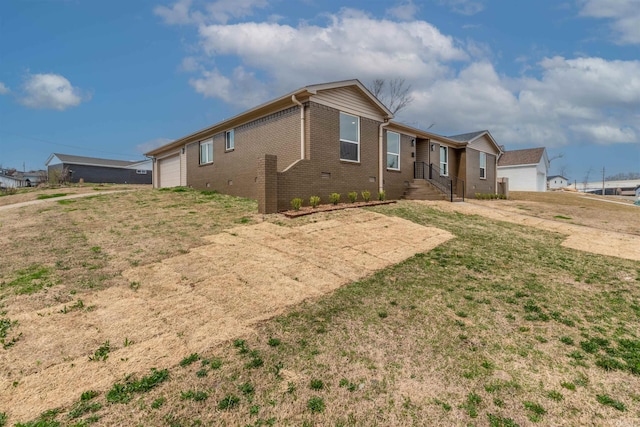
(603, 180)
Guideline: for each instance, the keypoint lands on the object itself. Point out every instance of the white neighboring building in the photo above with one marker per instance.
(526, 169)
(557, 181)
(7, 181)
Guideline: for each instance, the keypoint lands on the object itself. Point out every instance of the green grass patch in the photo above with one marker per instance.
(123, 392)
(50, 196)
(31, 279)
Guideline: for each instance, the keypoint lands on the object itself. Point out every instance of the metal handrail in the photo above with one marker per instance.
(448, 185)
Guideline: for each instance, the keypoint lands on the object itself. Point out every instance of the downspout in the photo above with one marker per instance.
(302, 130)
(380, 157)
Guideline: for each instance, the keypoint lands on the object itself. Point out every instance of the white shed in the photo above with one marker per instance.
(557, 181)
(526, 169)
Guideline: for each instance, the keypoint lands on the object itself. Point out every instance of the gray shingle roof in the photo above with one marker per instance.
(81, 160)
(528, 156)
(466, 137)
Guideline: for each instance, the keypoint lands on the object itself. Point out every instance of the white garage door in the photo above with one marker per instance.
(169, 172)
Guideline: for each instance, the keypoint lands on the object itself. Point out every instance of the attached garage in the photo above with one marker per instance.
(169, 171)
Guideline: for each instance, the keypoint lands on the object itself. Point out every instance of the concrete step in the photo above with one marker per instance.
(421, 189)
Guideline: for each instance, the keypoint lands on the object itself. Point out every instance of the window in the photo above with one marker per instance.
(393, 150)
(206, 152)
(483, 165)
(444, 160)
(229, 138)
(349, 138)
(141, 171)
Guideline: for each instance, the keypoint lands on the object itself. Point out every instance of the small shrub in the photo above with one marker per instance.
(382, 195)
(366, 195)
(568, 385)
(314, 201)
(316, 404)
(228, 402)
(296, 203)
(334, 198)
(353, 196)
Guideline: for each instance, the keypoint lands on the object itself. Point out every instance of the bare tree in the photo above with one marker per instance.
(394, 93)
(563, 170)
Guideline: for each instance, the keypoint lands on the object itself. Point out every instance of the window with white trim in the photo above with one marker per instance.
(206, 152)
(349, 137)
(393, 150)
(483, 165)
(444, 160)
(229, 137)
(141, 171)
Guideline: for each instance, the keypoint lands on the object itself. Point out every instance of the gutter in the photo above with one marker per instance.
(302, 128)
(380, 157)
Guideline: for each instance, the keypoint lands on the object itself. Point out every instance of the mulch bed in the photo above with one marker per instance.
(308, 210)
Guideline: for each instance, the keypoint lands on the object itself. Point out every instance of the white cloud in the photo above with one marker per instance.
(190, 64)
(221, 11)
(242, 89)
(624, 14)
(3, 89)
(464, 7)
(585, 100)
(50, 91)
(178, 14)
(352, 44)
(606, 134)
(145, 147)
(404, 11)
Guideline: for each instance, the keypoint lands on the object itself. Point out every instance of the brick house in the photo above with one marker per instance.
(321, 139)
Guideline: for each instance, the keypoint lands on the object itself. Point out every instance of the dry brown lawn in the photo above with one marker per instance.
(573, 208)
(479, 330)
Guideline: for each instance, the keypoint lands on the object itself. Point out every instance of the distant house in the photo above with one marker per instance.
(32, 178)
(555, 182)
(8, 181)
(525, 169)
(95, 170)
(320, 139)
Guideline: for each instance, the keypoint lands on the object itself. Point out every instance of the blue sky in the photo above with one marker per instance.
(115, 79)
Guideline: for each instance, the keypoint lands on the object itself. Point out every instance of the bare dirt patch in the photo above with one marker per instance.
(31, 194)
(194, 301)
(593, 238)
(572, 208)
